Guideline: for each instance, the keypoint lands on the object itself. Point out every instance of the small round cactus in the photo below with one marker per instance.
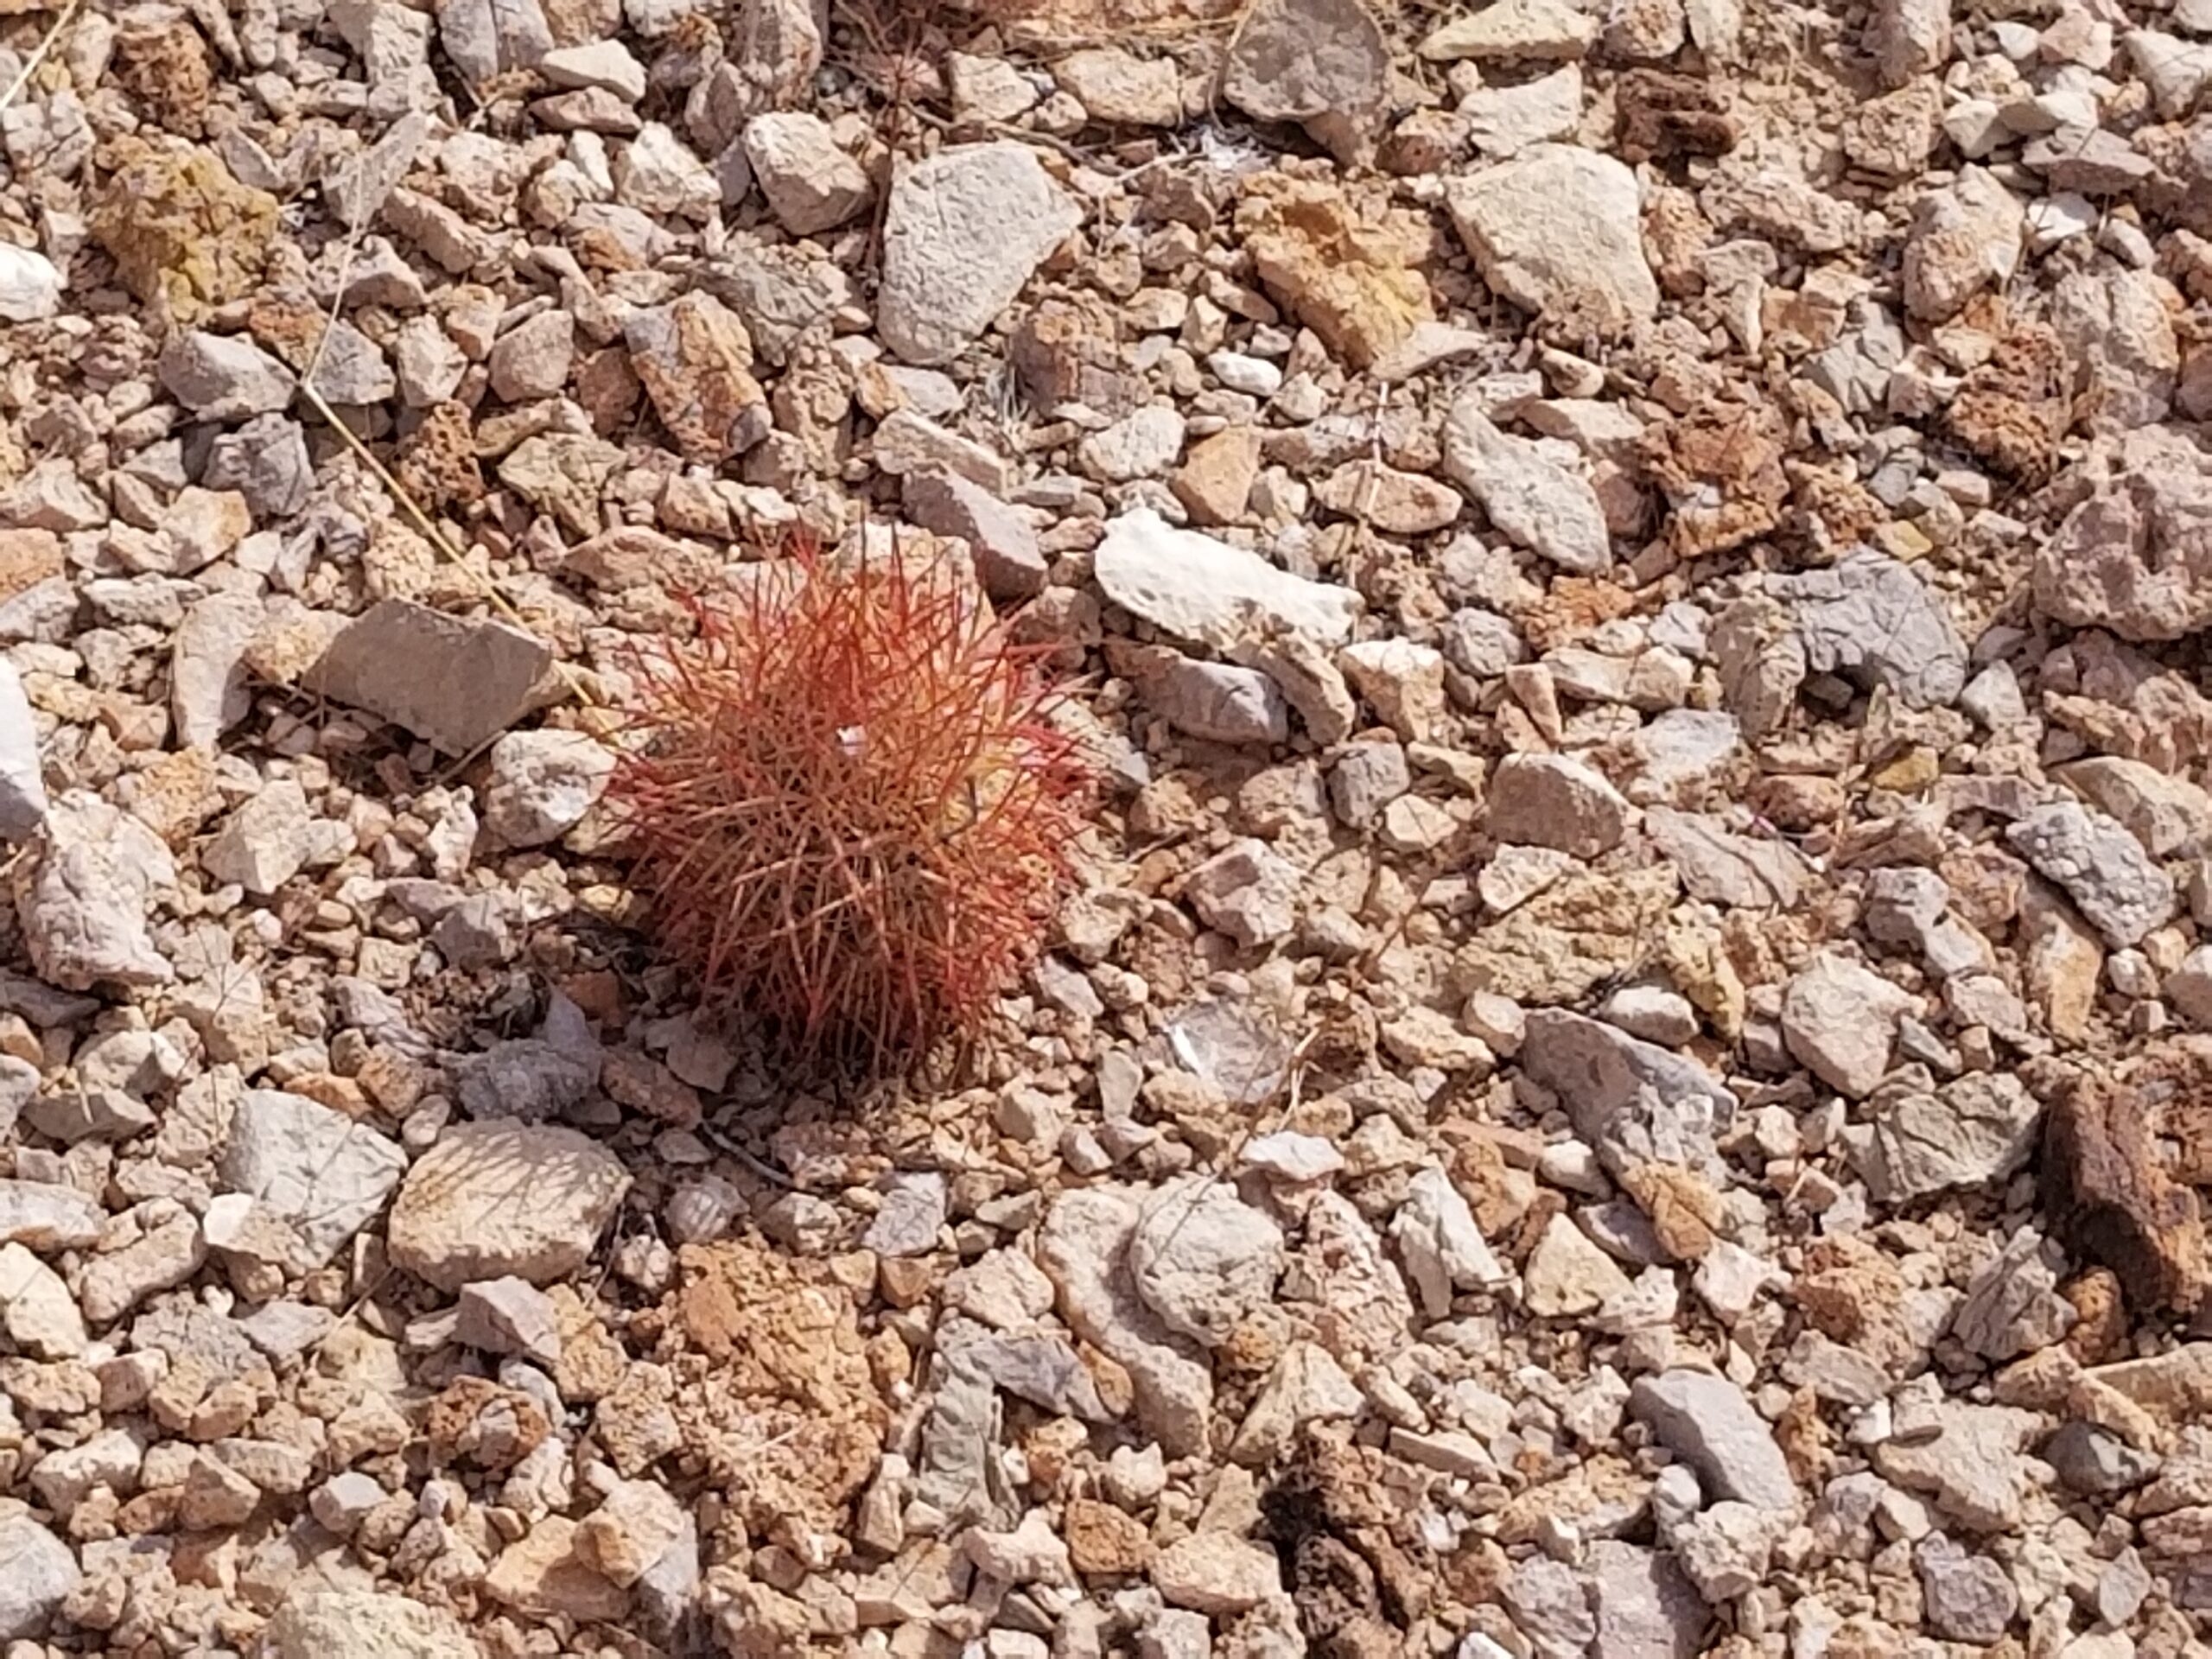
(850, 811)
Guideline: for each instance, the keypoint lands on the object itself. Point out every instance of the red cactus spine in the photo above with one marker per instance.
(850, 810)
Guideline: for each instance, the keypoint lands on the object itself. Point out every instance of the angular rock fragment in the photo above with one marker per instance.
(452, 683)
(2106, 1188)
(963, 231)
(82, 897)
(502, 1198)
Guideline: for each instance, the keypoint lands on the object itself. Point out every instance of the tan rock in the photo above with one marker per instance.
(543, 1573)
(1215, 480)
(500, 1197)
(1353, 278)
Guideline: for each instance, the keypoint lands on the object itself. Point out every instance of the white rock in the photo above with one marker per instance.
(811, 183)
(1542, 505)
(1203, 1259)
(1205, 590)
(30, 287)
(543, 783)
(82, 897)
(1142, 444)
(23, 786)
(37, 1573)
(40, 1315)
(316, 1167)
(1442, 1248)
(263, 844)
(1565, 1273)
(505, 1198)
(1557, 231)
(962, 233)
(596, 63)
(1839, 1018)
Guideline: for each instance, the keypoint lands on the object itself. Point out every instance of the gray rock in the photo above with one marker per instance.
(1966, 1598)
(1367, 778)
(2013, 1307)
(1441, 1247)
(30, 287)
(2132, 556)
(1707, 1422)
(82, 897)
(1645, 1604)
(1041, 1368)
(209, 692)
(1839, 1018)
(1722, 867)
(2169, 816)
(959, 1472)
(1971, 1465)
(2103, 868)
(526, 1079)
(1208, 592)
(1557, 230)
(223, 377)
(319, 1169)
(1551, 1607)
(37, 1573)
(1636, 1103)
(1216, 702)
(266, 461)
(451, 682)
(1322, 63)
(491, 1199)
(962, 232)
(1542, 505)
(485, 38)
(1873, 621)
(263, 844)
(543, 783)
(22, 785)
(1248, 891)
(2096, 1463)
(913, 1211)
(1552, 800)
(1980, 1128)
(1083, 1248)
(1203, 1259)
(1001, 539)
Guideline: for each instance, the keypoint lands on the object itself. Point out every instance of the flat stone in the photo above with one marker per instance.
(1550, 800)
(1208, 592)
(1542, 505)
(1203, 1260)
(963, 231)
(451, 682)
(318, 1168)
(1707, 1422)
(1567, 1274)
(2103, 868)
(1875, 622)
(1979, 1130)
(1084, 1248)
(1971, 1466)
(1557, 230)
(1840, 1018)
(1248, 891)
(495, 1198)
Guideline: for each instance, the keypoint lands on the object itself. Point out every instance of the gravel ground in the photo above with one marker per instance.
(1621, 1084)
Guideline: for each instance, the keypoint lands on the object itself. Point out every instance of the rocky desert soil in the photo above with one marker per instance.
(1622, 1084)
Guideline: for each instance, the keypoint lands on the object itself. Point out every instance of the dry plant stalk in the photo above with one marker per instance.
(849, 810)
